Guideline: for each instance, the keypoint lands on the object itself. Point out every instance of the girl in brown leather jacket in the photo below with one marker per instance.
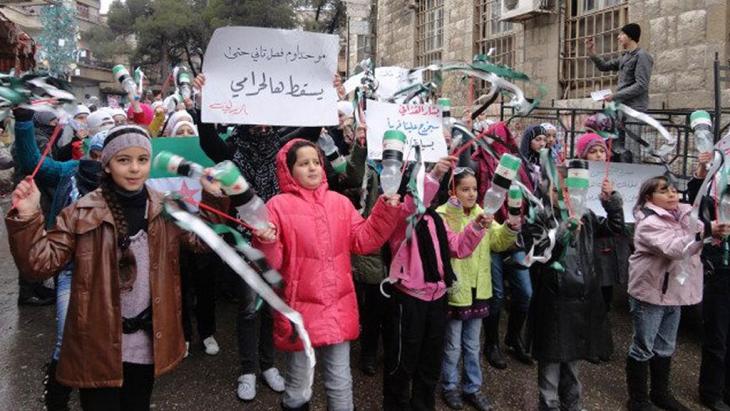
(124, 324)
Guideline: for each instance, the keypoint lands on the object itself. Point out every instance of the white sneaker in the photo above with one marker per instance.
(187, 349)
(274, 380)
(211, 346)
(247, 387)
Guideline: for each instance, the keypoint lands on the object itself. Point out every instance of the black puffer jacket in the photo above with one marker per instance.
(567, 318)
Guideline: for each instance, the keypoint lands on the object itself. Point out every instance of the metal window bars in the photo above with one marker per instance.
(429, 32)
(578, 75)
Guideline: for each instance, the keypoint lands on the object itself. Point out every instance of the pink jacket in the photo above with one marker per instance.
(317, 232)
(406, 265)
(659, 257)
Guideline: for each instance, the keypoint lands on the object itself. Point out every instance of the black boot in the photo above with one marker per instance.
(491, 341)
(513, 339)
(304, 407)
(661, 396)
(55, 395)
(637, 374)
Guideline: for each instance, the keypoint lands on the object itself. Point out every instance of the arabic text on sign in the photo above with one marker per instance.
(262, 53)
(423, 129)
(411, 109)
(253, 85)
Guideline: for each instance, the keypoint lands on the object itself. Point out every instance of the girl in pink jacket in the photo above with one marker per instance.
(314, 231)
(413, 335)
(664, 273)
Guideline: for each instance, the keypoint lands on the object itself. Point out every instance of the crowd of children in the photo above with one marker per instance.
(426, 271)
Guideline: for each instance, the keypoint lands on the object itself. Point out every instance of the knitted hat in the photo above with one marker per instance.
(99, 120)
(548, 127)
(182, 123)
(175, 118)
(123, 137)
(588, 141)
(632, 30)
(147, 114)
(81, 109)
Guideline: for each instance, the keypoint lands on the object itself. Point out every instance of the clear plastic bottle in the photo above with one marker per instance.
(174, 164)
(393, 145)
(327, 144)
(701, 124)
(506, 172)
(724, 208)
(514, 204)
(577, 183)
(183, 82)
(447, 121)
(253, 210)
(121, 74)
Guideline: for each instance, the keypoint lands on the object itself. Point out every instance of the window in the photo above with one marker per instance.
(602, 20)
(364, 47)
(492, 33)
(429, 31)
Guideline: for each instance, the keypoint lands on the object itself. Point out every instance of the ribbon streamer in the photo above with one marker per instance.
(228, 254)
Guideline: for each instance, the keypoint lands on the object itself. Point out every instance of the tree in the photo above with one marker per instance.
(260, 13)
(105, 44)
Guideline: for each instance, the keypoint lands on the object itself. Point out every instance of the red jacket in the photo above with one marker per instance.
(317, 231)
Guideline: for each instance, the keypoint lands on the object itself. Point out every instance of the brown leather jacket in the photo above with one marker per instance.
(91, 354)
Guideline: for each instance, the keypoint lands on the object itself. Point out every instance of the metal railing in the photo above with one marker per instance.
(569, 122)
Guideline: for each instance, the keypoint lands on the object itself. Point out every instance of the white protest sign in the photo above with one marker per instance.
(421, 123)
(390, 80)
(626, 179)
(258, 75)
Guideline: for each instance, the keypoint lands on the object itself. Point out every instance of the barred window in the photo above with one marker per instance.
(492, 33)
(429, 31)
(602, 20)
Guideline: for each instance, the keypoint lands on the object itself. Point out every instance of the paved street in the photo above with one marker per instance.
(208, 383)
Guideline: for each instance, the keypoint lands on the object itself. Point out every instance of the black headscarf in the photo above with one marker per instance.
(525, 150)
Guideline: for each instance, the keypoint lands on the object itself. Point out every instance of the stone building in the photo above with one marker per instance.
(548, 45)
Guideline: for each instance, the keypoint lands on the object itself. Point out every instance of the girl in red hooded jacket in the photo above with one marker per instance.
(313, 232)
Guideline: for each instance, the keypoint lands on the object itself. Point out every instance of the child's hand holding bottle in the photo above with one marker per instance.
(443, 166)
(483, 221)
(266, 235)
(606, 190)
(26, 198)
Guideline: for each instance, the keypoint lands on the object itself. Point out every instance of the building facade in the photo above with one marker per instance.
(682, 35)
(91, 76)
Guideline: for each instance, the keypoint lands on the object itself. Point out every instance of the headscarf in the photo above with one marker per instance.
(528, 154)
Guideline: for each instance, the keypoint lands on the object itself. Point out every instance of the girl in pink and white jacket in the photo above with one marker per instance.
(413, 335)
(665, 273)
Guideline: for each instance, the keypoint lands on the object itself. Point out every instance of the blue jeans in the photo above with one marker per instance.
(63, 295)
(655, 329)
(462, 335)
(519, 279)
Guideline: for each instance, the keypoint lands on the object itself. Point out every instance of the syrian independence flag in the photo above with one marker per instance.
(189, 148)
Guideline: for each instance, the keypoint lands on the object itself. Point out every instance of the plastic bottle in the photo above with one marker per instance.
(701, 124)
(506, 172)
(183, 82)
(327, 144)
(514, 204)
(393, 145)
(577, 183)
(724, 211)
(447, 121)
(122, 75)
(252, 211)
(174, 164)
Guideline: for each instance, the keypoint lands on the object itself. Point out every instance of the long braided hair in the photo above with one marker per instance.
(127, 264)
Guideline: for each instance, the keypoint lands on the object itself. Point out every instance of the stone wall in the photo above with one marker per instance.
(682, 36)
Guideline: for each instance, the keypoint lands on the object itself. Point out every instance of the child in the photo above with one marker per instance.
(468, 296)
(714, 375)
(665, 273)
(314, 231)
(611, 252)
(533, 140)
(125, 292)
(567, 307)
(502, 270)
(416, 320)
